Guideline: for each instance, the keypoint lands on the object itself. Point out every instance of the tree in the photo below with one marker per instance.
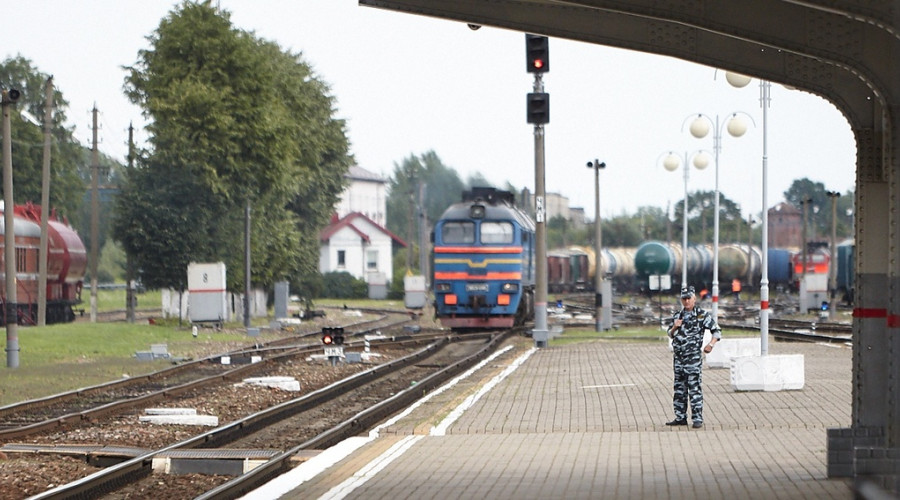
(67, 155)
(443, 188)
(819, 209)
(235, 121)
(701, 222)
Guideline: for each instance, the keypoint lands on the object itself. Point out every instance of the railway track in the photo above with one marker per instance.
(88, 404)
(339, 410)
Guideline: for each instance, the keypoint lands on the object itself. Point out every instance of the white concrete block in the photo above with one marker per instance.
(729, 348)
(783, 372)
(284, 383)
(170, 411)
(207, 420)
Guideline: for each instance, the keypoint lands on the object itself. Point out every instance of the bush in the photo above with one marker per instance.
(342, 285)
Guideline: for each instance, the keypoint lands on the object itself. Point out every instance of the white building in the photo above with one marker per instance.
(357, 245)
(356, 240)
(366, 195)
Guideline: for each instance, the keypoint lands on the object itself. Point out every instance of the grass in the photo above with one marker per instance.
(64, 357)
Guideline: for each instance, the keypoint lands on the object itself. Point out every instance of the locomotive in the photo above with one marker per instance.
(484, 262)
(66, 264)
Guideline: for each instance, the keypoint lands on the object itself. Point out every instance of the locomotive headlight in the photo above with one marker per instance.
(476, 212)
(442, 287)
(510, 287)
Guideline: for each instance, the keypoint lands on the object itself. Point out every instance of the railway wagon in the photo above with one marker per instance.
(484, 262)
(845, 270)
(66, 265)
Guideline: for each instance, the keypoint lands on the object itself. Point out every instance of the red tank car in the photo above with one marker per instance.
(66, 264)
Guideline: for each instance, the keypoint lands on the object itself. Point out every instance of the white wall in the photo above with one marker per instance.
(355, 251)
(365, 197)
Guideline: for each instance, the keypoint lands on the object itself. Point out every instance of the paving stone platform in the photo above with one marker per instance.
(586, 420)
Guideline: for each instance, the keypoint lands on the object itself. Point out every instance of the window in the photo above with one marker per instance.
(342, 258)
(458, 232)
(372, 259)
(496, 232)
(22, 261)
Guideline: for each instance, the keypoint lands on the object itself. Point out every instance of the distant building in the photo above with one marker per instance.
(359, 246)
(578, 217)
(367, 195)
(557, 206)
(785, 226)
(356, 240)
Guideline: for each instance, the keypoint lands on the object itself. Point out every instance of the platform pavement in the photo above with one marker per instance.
(586, 420)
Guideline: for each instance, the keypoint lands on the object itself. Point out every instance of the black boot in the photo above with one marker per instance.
(683, 421)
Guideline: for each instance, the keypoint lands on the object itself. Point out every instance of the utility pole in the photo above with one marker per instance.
(12, 317)
(130, 298)
(95, 216)
(423, 230)
(43, 254)
(247, 264)
(411, 221)
(832, 264)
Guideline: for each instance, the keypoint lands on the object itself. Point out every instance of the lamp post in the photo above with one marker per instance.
(738, 81)
(596, 165)
(671, 163)
(700, 128)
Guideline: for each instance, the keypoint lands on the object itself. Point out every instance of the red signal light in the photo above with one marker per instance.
(538, 64)
(327, 336)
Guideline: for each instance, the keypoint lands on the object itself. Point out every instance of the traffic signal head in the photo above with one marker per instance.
(327, 336)
(339, 336)
(537, 52)
(538, 108)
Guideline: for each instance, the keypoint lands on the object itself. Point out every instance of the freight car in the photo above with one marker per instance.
(484, 262)
(66, 264)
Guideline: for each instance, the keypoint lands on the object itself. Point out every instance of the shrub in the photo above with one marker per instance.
(342, 285)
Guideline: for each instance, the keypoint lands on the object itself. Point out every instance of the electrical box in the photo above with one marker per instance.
(207, 296)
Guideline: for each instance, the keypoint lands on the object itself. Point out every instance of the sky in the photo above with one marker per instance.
(408, 84)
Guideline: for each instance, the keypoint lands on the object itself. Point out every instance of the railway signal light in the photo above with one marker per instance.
(537, 51)
(538, 108)
(338, 336)
(327, 336)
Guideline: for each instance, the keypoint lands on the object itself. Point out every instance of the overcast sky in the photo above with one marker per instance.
(408, 84)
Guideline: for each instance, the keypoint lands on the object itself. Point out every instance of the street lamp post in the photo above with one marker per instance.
(671, 163)
(700, 128)
(738, 81)
(596, 165)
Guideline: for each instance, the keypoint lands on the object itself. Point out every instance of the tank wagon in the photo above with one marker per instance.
(66, 265)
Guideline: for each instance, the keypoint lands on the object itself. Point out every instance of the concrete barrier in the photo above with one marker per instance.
(782, 372)
(729, 348)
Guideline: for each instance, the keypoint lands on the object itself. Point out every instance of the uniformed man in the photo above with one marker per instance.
(686, 333)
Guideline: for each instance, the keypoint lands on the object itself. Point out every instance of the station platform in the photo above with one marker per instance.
(586, 420)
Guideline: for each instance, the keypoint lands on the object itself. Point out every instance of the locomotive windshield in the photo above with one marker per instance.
(458, 232)
(496, 232)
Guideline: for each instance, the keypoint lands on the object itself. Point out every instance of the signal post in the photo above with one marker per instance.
(537, 52)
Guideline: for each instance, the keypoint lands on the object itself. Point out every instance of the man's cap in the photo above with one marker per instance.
(687, 292)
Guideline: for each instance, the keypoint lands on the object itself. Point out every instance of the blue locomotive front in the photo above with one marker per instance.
(484, 262)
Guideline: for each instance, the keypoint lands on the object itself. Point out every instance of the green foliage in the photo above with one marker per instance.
(28, 142)
(443, 187)
(819, 209)
(111, 267)
(236, 120)
(342, 285)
